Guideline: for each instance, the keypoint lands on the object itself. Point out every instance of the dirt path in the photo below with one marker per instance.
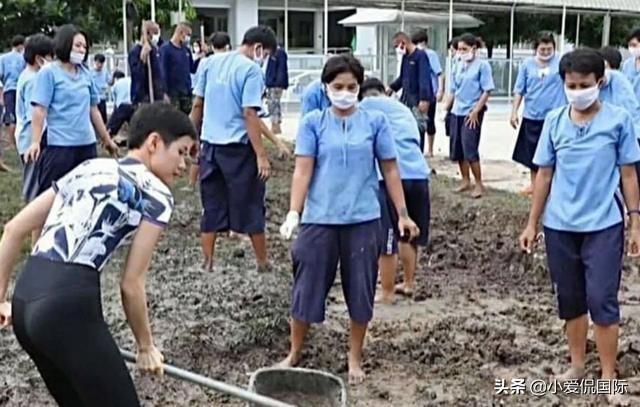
(482, 311)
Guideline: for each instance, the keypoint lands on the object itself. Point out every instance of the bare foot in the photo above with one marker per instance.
(573, 373)
(528, 191)
(291, 360)
(356, 375)
(263, 268)
(5, 168)
(463, 188)
(207, 265)
(478, 191)
(385, 298)
(404, 289)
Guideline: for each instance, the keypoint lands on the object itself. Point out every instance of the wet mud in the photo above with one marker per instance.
(482, 312)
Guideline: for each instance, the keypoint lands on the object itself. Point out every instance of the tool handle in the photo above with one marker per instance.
(221, 387)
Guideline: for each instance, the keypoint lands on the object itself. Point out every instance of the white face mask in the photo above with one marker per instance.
(44, 62)
(343, 100)
(466, 56)
(582, 99)
(607, 76)
(635, 51)
(422, 46)
(196, 50)
(155, 38)
(401, 51)
(258, 59)
(76, 58)
(545, 58)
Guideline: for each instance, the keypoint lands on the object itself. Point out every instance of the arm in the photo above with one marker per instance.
(196, 112)
(16, 230)
(300, 182)
(254, 130)
(397, 84)
(482, 102)
(132, 284)
(99, 126)
(38, 116)
(448, 104)
(392, 181)
(541, 188)
(282, 147)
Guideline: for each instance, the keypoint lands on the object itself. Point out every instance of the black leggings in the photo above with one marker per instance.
(57, 318)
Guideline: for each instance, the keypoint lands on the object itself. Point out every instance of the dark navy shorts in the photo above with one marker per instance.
(585, 270)
(30, 188)
(102, 108)
(464, 141)
(233, 197)
(527, 142)
(9, 116)
(121, 115)
(447, 124)
(416, 195)
(316, 254)
(431, 114)
(56, 161)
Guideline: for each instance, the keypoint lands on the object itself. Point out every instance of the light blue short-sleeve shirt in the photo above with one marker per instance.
(101, 79)
(344, 185)
(68, 99)
(24, 110)
(229, 83)
(633, 74)
(541, 87)
(314, 98)
(405, 133)
(586, 161)
(11, 65)
(468, 84)
(436, 68)
(122, 91)
(618, 91)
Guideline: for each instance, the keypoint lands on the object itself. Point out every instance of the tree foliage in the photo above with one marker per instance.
(101, 19)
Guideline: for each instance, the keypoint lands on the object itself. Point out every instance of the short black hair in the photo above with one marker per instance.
(64, 42)
(17, 40)
(118, 75)
(369, 84)
(340, 64)
(220, 40)
(544, 37)
(261, 34)
(634, 34)
(420, 36)
(37, 45)
(162, 118)
(453, 43)
(584, 61)
(469, 39)
(612, 55)
(99, 58)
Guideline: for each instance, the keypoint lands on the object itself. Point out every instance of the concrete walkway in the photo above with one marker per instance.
(496, 148)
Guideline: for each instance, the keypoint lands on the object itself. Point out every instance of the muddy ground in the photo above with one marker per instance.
(482, 311)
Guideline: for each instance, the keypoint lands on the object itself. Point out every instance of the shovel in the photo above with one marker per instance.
(213, 384)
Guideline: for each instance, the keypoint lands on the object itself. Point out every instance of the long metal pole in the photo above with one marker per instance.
(213, 384)
(180, 16)
(563, 28)
(511, 30)
(402, 16)
(606, 29)
(286, 26)
(325, 35)
(125, 40)
(578, 30)
(449, 56)
(153, 10)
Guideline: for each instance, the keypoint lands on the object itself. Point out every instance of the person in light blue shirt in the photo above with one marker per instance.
(540, 86)
(123, 109)
(314, 97)
(414, 172)
(631, 67)
(421, 39)
(11, 65)
(38, 53)
(102, 78)
(470, 87)
(337, 153)
(586, 151)
(233, 162)
(616, 88)
(65, 95)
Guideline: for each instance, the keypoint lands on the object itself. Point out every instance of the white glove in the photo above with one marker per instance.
(290, 224)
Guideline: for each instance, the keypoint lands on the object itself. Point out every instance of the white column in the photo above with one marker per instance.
(511, 29)
(563, 29)
(449, 64)
(606, 29)
(180, 16)
(125, 43)
(245, 17)
(402, 16)
(153, 10)
(325, 31)
(578, 30)
(318, 31)
(286, 26)
(450, 20)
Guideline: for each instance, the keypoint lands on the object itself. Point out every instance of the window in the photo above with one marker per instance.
(301, 26)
